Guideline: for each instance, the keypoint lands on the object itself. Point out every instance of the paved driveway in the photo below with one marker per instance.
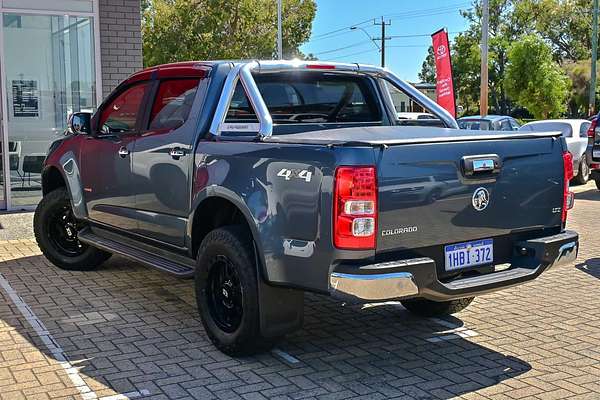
(128, 331)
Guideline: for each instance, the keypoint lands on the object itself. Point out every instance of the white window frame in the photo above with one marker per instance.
(95, 15)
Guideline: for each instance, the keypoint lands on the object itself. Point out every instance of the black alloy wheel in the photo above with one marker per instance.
(225, 295)
(62, 232)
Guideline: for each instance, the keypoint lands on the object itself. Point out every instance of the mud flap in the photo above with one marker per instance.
(281, 309)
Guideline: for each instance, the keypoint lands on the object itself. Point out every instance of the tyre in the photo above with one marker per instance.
(597, 183)
(56, 230)
(227, 292)
(429, 308)
(583, 176)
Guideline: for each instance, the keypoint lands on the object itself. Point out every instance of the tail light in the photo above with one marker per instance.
(355, 208)
(568, 196)
(591, 132)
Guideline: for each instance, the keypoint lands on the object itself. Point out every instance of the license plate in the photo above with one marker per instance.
(596, 153)
(469, 254)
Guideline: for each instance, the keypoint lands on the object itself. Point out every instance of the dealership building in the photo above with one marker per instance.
(56, 57)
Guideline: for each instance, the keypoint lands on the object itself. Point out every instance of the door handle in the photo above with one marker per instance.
(123, 152)
(176, 153)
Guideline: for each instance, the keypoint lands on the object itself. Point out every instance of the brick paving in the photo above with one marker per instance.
(126, 328)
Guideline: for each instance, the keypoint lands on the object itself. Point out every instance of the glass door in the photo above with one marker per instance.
(2, 177)
(49, 74)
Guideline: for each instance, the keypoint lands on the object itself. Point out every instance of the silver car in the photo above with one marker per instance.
(575, 133)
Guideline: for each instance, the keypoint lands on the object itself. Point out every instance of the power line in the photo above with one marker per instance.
(353, 54)
(406, 14)
(343, 48)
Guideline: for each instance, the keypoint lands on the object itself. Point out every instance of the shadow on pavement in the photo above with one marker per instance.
(591, 194)
(591, 267)
(138, 329)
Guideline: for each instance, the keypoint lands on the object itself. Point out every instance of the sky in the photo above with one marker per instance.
(333, 40)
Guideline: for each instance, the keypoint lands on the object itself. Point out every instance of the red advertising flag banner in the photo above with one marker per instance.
(444, 87)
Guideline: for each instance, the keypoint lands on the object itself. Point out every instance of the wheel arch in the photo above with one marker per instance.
(221, 207)
(52, 179)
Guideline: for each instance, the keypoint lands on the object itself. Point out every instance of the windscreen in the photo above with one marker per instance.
(565, 129)
(309, 98)
(475, 124)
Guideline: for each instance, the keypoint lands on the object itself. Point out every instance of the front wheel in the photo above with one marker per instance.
(56, 231)
(227, 292)
(430, 308)
(584, 173)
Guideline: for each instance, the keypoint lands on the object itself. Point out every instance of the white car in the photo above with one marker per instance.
(416, 115)
(575, 133)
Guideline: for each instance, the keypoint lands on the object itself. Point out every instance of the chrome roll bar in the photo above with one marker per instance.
(242, 72)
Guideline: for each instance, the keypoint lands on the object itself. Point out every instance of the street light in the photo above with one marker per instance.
(353, 28)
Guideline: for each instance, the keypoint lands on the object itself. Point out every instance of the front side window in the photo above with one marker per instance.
(120, 115)
(172, 104)
(505, 125)
(309, 98)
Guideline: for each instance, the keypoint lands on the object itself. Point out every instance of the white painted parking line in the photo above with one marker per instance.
(454, 332)
(125, 396)
(56, 351)
(285, 356)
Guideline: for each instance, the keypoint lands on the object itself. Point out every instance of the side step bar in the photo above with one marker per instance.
(136, 254)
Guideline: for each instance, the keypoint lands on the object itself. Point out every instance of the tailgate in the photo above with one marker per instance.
(439, 193)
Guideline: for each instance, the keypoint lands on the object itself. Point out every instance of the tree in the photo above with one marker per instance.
(175, 30)
(534, 80)
(565, 24)
(427, 73)
(466, 57)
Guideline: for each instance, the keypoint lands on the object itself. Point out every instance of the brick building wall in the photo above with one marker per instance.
(120, 41)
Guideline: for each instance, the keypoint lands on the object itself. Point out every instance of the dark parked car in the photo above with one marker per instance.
(489, 123)
(593, 134)
(263, 180)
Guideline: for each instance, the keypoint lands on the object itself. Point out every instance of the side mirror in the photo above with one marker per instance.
(80, 123)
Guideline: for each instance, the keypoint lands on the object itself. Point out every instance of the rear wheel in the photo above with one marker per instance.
(429, 308)
(56, 231)
(227, 292)
(583, 176)
(597, 183)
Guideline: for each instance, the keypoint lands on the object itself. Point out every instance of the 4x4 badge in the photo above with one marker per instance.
(481, 199)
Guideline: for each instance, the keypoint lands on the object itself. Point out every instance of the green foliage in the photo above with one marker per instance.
(427, 73)
(176, 30)
(565, 25)
(534, 80)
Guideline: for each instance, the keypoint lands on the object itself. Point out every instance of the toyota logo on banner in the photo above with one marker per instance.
(441, 50)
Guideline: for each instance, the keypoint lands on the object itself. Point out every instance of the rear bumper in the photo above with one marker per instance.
(417, 277)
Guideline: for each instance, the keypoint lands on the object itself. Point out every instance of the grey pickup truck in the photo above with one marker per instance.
(263, 180)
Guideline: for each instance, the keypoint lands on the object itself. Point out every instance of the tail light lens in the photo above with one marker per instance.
(591, 132)
(355, 208)
(568, 196)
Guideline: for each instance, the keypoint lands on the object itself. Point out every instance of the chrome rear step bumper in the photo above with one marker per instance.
(417, 277)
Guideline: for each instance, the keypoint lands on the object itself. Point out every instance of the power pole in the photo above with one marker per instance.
(383, 38)
(279, 33)
(592, 101)
(485, 21)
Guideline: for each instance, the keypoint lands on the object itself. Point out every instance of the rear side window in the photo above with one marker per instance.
(120, 115)
(172, 104)
(309, 98)
(565, 129)
(584, 128)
